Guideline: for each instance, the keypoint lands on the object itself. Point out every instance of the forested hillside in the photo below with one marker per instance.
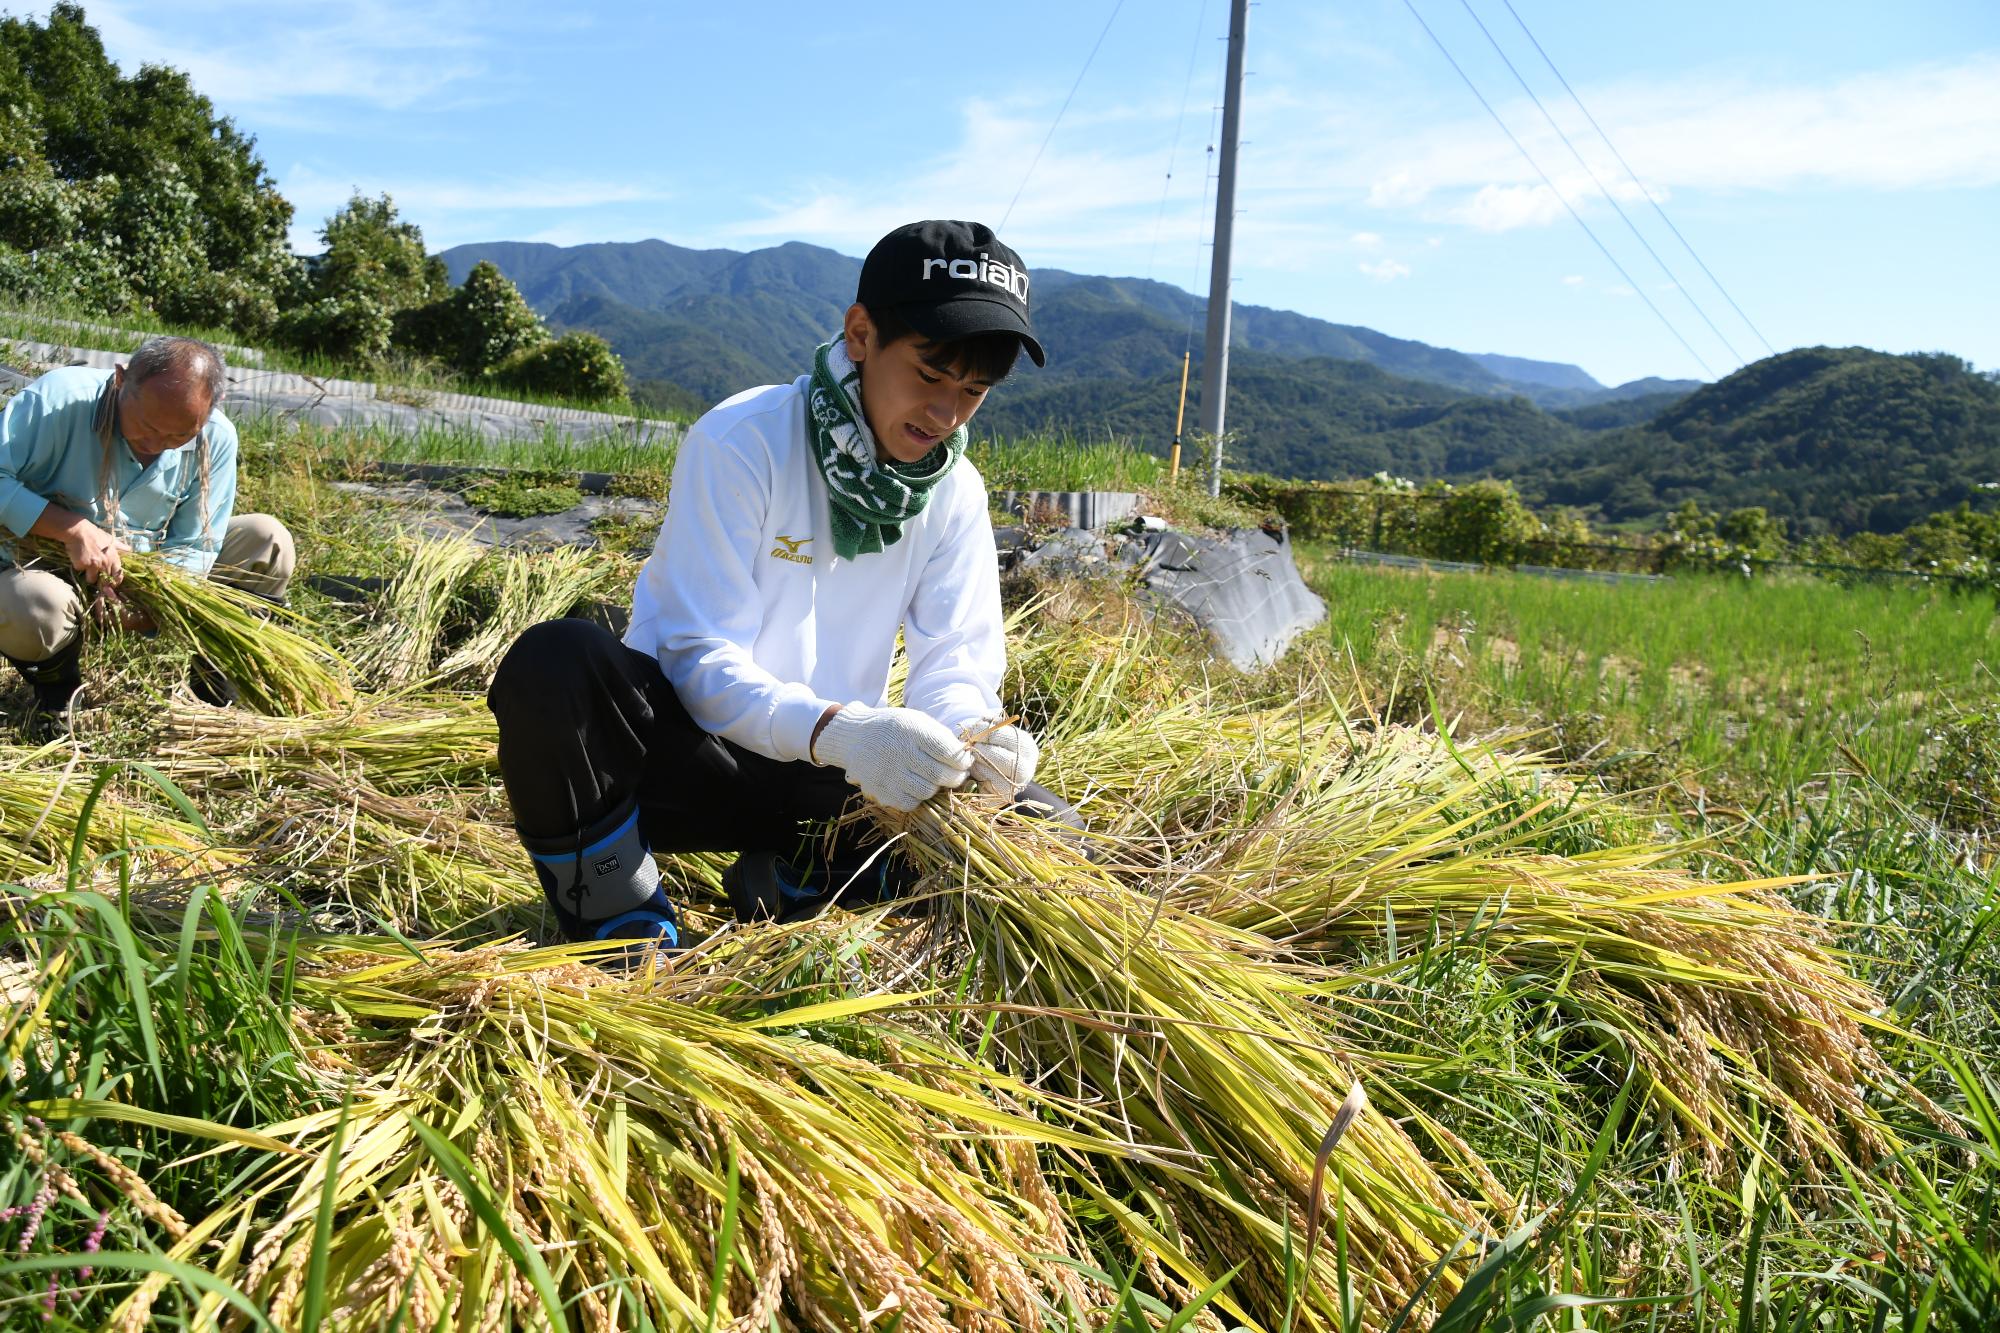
(1829, 439)
(1301, 418)
(696, 317)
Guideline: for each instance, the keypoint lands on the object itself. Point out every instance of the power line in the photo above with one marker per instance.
(1601, 187)
(1635, 179)
(1560, 198)
(1173, 152)
(1059, 114)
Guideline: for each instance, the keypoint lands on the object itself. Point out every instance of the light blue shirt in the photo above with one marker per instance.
(50, 453)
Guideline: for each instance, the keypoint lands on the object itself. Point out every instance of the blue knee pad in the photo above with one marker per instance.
(604, 884)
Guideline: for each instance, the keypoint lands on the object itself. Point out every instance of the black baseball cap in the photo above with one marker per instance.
(949, 280)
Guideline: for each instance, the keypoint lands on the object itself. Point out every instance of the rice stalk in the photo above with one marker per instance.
(397, 743)
(1730, 1001)
(417, 608)
(1197, 1037)
(275, 668)
(612, 1126)
(393, 861)
(42, 807)
(534, 586)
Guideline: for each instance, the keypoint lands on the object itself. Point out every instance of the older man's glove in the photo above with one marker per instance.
(1004, 761)
(899, 757)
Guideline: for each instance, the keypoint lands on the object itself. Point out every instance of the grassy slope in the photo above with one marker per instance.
(401, 379)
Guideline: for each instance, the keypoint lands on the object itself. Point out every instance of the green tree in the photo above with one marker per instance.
(370, 250)
(495, 321)
(124, 192)
(1752, 534)
(373, 271)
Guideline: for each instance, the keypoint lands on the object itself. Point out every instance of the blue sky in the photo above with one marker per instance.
(1835, 163)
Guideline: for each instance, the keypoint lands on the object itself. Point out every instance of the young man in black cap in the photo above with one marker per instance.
(808, 523)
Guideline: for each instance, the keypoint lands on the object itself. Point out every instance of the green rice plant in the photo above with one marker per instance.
(417, 608)
(190, 1020)
(349, 452)
(1064, 462)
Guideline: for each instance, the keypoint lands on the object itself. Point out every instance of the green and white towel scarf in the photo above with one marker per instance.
(871, 500)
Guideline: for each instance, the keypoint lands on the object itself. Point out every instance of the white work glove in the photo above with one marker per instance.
(899, 757)
(1004, 761)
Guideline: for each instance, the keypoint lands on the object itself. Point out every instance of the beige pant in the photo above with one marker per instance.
(40, 612)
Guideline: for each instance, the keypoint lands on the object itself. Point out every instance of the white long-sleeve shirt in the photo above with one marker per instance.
(759, 627)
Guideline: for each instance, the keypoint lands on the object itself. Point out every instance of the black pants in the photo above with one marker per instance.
(587, 724)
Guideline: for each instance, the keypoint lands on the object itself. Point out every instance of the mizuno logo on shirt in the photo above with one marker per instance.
(788, 549)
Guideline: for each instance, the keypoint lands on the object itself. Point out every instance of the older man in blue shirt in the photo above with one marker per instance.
(103, 461)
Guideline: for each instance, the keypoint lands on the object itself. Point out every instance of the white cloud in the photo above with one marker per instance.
(1572, 280)
(372, 52)
(1619, 289)
(1086, 197)
(1093, 202)
(1933, 125)
(1505, 207)
(445, 208)
(1385, 270)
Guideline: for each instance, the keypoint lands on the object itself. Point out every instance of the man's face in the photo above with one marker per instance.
(159, 416)
(910, 404)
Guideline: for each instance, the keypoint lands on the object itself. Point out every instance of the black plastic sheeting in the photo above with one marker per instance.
(1241, 587)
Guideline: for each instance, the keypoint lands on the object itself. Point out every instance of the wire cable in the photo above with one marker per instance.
(1635, 179)
(1521, 148)
(1611, 199)
(1059, 114)
(1173, 152)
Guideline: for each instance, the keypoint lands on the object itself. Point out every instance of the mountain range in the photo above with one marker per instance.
(1830, 439)
(713, 321)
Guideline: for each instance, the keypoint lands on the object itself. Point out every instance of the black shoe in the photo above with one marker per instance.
(54, 678)
(763, 887)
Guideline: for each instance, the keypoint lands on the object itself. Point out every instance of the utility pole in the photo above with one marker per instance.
(1215, 347)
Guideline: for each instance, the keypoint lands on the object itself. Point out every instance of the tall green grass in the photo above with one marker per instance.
(1064, 462)
(351, 451)
(1771, 683)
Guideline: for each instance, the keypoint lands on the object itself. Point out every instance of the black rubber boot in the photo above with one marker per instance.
(603, 884)
(54, 678)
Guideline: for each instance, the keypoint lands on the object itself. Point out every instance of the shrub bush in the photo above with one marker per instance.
(576, 365)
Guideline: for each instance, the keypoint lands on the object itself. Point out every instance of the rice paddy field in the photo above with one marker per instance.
(1513, 955)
